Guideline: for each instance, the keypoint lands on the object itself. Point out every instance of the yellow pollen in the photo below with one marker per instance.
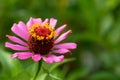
(42, 37)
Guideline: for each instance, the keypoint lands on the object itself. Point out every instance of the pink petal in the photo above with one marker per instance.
(15, 46)
(20, 31)
(60, 29)
(61, 51)
(37, 20)
(57, 58)
(36, 57)
(16, 40)
(30, 22)
(63, 36)
(53, 22)
(21, 25)
(24, 55)
(48, 59)
(45, 21)
(66, 45)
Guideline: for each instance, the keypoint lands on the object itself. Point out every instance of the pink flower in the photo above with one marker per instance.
(38, 40)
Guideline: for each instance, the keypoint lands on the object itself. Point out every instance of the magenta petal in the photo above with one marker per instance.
(63, 36)
(57, 58)
(61, 51)
(60, 29)
(66, 45)
(16, 40)
(53, 22)
(20, 31)
(15, 46)
(36, 57)
(21, 25)
(45, 21)
(24, 55)
(30, 22)
(37, 20)
(48, 59)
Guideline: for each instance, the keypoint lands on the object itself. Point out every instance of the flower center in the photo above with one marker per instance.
(42, 31)
(41, 38)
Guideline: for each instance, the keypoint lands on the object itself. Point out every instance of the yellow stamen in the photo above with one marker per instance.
(38, 37)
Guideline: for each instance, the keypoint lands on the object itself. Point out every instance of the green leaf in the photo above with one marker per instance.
(14, 69)
(103, 76)
(48, 68)
(78, 73)
(10, 67)
(58, 64)
(106, 24)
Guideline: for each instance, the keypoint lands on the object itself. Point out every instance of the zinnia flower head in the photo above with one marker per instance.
(38, 40)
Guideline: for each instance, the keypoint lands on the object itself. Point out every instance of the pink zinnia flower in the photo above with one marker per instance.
(39, 39)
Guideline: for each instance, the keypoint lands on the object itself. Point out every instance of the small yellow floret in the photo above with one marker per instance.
(46, 25)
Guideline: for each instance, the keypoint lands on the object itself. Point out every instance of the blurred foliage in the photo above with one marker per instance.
(96, 30)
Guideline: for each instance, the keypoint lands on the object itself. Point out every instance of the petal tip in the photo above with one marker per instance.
(13, 55)
(36, 57)
(7, 36)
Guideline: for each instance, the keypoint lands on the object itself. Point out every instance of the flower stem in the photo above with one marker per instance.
(39, 66)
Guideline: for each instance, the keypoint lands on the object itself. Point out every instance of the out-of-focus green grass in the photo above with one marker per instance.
(96, 30)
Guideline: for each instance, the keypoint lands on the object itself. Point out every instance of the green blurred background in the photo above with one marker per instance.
(96, 30)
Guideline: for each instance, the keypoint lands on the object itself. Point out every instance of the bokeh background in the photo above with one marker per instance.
(96, 30)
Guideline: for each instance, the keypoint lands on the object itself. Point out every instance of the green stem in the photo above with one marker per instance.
(39, 66)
